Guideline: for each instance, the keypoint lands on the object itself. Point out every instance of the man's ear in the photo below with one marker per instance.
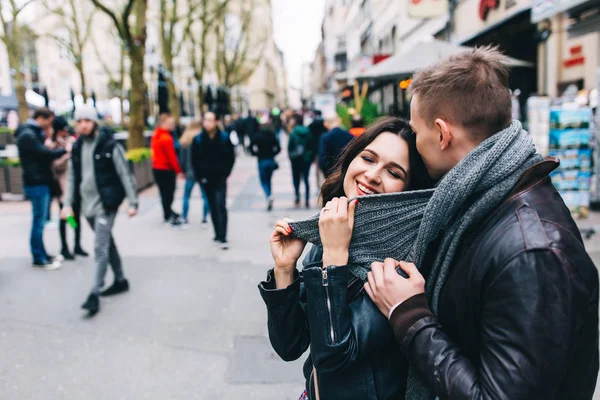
(444, 133)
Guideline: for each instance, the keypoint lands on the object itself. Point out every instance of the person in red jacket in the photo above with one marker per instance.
(165, 165)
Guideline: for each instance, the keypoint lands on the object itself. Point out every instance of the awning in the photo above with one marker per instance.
(420, 56)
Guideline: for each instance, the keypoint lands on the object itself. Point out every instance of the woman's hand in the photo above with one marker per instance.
(286, 251)
(335, 225)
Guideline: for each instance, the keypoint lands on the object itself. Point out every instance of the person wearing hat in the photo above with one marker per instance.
(98, 180)
(62, 138)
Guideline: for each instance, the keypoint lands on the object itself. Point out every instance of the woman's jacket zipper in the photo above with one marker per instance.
(326, 285)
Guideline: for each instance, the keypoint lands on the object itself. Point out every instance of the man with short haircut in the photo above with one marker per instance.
(36, 163)
(332, 143)
(165, 166)
(501, 301)
(98, 180)
(212, 159)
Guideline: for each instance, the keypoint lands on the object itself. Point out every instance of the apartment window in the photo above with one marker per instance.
(393, 39)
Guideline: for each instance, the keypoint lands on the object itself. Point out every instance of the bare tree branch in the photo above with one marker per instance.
(18, 11)
(111, 15)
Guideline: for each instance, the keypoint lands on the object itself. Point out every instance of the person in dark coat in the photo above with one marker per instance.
(332, 144)
(213, 157)
(38, 177)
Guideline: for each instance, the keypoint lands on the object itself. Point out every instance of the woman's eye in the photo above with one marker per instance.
(394, 174)
(368, 159)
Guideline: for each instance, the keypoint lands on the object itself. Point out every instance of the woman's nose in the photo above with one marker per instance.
(373, 175)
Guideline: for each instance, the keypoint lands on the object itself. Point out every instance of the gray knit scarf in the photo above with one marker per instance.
(402, 225)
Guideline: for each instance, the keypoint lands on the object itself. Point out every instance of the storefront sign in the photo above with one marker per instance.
(577, 57)
(544, 9)
(427, 8)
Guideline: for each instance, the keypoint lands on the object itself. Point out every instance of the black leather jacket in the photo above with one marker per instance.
(36, 159)
(518, 315)
(352, 347)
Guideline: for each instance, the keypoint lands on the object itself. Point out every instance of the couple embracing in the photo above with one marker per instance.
(474, 285)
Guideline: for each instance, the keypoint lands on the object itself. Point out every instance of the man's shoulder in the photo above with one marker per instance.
(529, 223)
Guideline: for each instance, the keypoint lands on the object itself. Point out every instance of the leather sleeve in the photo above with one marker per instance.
(341, 333)
(286, 317)
(527, 334)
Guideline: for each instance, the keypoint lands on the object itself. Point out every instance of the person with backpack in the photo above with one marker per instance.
(300, 152)
(213, 157)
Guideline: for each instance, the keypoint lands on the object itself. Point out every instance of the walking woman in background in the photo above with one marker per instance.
(265, 146)
(62, 139)
(192, 130)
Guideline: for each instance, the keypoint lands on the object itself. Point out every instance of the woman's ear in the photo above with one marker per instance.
(444, 133)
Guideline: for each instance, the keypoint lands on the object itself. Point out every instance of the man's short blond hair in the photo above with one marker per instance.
(469, 89)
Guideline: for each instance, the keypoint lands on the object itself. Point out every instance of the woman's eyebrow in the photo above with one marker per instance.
(393, 164)
(396, 165)
(372, 152)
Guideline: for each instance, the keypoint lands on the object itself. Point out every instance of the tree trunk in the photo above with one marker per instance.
(79, 66)
(136, 74)
(136, 99)
(14, 62)
(173, 100)
(200, 96)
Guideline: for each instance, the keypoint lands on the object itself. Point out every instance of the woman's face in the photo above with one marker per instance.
(382, 167)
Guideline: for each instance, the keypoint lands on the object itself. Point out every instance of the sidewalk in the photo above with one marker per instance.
(193, 325)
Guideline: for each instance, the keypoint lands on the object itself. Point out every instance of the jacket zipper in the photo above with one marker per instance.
(313, 380)
(326, 285)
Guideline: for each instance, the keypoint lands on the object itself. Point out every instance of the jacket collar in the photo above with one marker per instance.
(534, 175)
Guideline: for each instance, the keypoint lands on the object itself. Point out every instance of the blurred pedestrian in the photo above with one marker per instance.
(300, 152)
(252, 126)
(265, 147)
(317, 129)
(332, 144)
(165, 166)
(36, 163)
(213, 157)
(190, 133)
(62, 139)
(358, 126)
(98, 180)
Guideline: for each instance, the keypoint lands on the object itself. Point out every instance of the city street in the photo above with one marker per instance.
(193, 325)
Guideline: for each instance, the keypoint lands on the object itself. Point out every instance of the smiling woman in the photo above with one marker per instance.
(384, 159)
(352, 352)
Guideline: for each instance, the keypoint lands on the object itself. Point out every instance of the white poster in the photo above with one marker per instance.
(427, 8)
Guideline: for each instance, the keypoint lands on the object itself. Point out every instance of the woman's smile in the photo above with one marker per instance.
(364, 190)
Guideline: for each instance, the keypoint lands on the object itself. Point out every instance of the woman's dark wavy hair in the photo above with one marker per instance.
(419, 179)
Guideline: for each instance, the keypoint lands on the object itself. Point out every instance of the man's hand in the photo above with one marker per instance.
(132, 212)
(387, 289)
(66, 212)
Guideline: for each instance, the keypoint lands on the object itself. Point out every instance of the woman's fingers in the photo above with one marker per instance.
(342, 210)
(284, 225)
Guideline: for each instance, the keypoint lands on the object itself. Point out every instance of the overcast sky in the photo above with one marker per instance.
(297, 26)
